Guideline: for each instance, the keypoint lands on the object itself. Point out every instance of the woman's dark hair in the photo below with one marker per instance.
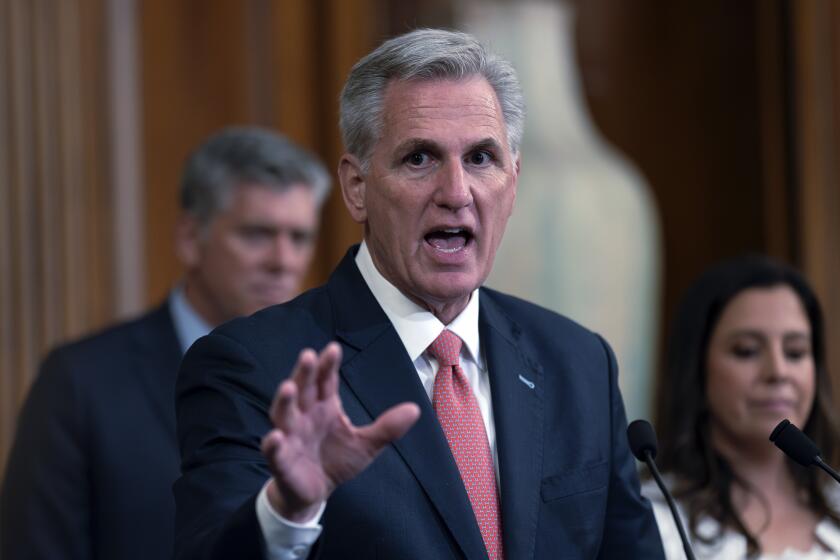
(702, 477)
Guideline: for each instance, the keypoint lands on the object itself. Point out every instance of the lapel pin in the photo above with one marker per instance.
(527, 382)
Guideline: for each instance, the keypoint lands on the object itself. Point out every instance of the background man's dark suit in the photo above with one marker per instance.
(96, 450)
(568, 486)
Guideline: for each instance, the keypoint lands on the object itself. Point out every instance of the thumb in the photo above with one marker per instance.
(391, 424)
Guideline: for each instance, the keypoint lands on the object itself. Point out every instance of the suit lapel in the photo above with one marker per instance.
(159, 355)
(516, 382)
(377, 369)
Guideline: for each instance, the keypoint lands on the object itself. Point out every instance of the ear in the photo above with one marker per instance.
(515, 185)
(188, 240)
(353, 187)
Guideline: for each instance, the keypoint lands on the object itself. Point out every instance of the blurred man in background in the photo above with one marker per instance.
(95, 455)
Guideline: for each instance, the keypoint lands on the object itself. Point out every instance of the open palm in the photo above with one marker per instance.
(314, 447)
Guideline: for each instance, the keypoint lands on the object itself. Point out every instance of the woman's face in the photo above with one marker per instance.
(760, 367)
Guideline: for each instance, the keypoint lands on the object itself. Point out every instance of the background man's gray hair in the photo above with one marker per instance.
(424, 54)
(252, 155)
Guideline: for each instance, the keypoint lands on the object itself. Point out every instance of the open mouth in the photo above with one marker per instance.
(449, 240)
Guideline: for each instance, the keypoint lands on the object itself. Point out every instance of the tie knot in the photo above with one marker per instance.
(446, 348)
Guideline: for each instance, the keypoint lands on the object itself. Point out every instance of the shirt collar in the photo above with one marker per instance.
(189, 326)
(416, 326)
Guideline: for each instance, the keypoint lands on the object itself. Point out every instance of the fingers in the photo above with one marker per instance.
(284, 408)
(305, 376)
(314, 378)
(271, 445)
(391, 425)
(330, 361)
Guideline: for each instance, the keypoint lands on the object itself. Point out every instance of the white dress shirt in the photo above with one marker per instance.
(732, 544)
(417, 328)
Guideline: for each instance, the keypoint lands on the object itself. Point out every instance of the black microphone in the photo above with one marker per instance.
(642, 440)
(799, 447)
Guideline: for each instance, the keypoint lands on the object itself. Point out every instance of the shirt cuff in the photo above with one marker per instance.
(284, 539)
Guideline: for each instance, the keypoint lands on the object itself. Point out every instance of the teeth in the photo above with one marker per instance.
(452, 230)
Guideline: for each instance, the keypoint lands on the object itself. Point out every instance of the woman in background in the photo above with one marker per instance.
(746, 350)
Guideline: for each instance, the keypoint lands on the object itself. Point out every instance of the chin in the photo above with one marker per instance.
(253, 307)
(272, 302)
(452, 289)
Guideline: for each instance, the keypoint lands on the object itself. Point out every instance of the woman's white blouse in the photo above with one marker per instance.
(732, 545)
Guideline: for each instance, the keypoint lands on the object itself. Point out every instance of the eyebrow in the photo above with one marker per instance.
(272, 228)
(487, 143)
(416, 145)
(762, 335)
(422, 144)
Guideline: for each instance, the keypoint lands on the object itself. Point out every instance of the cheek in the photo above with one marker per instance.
(216, 257)
(808, 387)
(397, 229)
(240, 259)
(300, 258)
(383, 216)
(725, 389)
(498, 209)
(725, 410)
(721, 405)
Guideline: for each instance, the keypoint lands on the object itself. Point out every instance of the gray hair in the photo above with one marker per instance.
(423, 54)
(238, 155)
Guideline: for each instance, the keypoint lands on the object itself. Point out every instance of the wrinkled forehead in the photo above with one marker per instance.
(441, 107)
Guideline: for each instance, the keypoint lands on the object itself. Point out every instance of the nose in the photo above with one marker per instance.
(775, 365)
(281, 253)
(453, 189)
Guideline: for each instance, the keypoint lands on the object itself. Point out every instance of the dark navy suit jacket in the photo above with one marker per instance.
(91, 470)
(569, 487)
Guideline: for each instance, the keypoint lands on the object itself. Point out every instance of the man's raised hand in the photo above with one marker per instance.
(314, 447)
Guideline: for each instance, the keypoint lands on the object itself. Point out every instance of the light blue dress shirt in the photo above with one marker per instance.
(189, 326)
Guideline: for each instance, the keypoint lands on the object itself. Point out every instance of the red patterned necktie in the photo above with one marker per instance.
(459, 416)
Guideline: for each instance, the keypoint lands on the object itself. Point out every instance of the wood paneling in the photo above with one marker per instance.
(732, 111)
(348, 32)
(202, 65)
(295, 82)
(194, 77)
(814, 25)
(8, 320)
(675, 86)
(776, 124)
(217, 63)
(55, 249)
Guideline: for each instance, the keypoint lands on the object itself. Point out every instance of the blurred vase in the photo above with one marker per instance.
(584, 238)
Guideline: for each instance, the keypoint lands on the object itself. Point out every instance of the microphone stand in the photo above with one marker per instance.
(689, 554)
(799, 447)
(824, 466)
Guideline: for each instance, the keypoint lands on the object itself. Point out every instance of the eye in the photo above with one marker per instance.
(796, 354)
(744, 351)
(301, 237)
(256, 235)
(417, 159)
(480, 158)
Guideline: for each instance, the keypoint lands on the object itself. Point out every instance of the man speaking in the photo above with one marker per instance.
(440, 419)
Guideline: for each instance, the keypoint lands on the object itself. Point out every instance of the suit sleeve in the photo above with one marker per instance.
(223, 395)
(45, 504)
(630, 529)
